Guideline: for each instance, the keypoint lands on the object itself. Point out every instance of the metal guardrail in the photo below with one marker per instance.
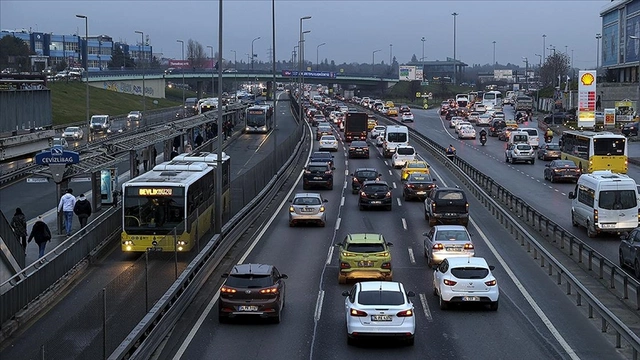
(487, 191)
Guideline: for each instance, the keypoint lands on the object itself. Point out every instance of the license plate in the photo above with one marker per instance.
(380, 318)
(607, 226)
(376, 202)
(317, 178)
(358, 150)
(365, 263)
(247, 308)
(307, 210)
(421, 192)
(155, 248)
(453, 248)
(470, 298)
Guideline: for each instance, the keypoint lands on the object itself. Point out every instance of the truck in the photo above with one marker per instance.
(348, 94)
(446, 206)
(524, 103)
(356, 126)
(462, 100)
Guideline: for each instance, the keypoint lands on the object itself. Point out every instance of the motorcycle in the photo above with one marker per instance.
(450, 154)
(483, 139)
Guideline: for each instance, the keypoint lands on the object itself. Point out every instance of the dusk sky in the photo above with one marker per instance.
(352, 30)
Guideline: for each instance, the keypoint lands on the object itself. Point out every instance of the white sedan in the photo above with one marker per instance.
(466, 132)
(328, 142)
(377, 130)
(73, 132)
(455, 120)
(460, 124)
(465, 280)
(484, 120)
(407, 116)
(379, 308)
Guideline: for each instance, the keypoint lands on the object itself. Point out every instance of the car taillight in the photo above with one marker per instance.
(271, 290)
(595, 215)
(410, 186)
(468, 246)
(227, 290)
(386, 265)
(356, 312)
(449, 282)
(491, 282)
(388, 194)
(433, 206)
(405, 313)
(438, 246)
(466, 207)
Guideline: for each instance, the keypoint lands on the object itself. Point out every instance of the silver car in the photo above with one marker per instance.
(520, 153)
(307, 208)
(73, 132)
(446, 241)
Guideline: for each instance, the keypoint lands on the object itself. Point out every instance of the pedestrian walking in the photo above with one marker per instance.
(199, 140)
(188, 149)
(145, 158)
(174, 153)
(83, 210)
(19, 225)
(229, 128)
(67, 202)
(154, 156)
(41, 233)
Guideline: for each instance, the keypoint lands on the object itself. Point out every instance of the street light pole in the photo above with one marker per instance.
(235, 75)
(423, 40)
(637, 39)
(252, 54)
(183, 104)
(86, 71)
(218, 197)
(455, 67)
(373, 62)
(598, 37)
(144, 97)
(544, 47)
(494, 54)
(213, 72)
(274, 88)
(318, 56)
(526, 72)
(300, 53)
(391, 55)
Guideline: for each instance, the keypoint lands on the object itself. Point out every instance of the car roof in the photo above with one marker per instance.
(449, 227)
(470, 261)
(374, 182)
(304, 195)
(257, 269)
(359, 142)
(318, 163)
(380, 285)
(365, 238)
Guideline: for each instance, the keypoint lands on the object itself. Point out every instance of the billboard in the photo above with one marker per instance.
(407, 73)
(587, 99)
(609, 117)
(312, 74)
(419, 73)
(503, 74)
(610, 45)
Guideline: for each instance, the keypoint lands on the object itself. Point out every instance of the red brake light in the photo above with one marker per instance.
(271, 290)
(491, 282)
(227, 290)
(386, 265)
(355, 312)
(405, 313)
(449, 282)
(344, 265)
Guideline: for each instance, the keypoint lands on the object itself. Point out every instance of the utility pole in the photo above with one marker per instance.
(455, 67)
(598, 37)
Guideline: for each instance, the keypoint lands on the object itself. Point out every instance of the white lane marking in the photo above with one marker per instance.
(411, 257)
(425, 307)
(338, 223)
(213, 301)
(556, 334)
(390, 172)
(329, 255)
(394, 185)
(404, 223)
(346, 172)
(342, 201)
(399, 203)
(345, 185)
(319, 305)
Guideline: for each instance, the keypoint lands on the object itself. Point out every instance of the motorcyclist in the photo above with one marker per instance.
(483, 136)
(548, 135)
(450, 151)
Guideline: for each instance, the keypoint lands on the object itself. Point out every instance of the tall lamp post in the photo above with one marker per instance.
(213, 71)
(598, 37)
(526, 72)
(182, 43)
(144, 95)
(252, 54)
(235, 74)
(494, 54)
(373, 62)
(544, 46)
(218, 198)
(274, 87)
(318, 56)
(300, 55)
(423, 40)
(391, 55)
(86, 70)
(455, 67)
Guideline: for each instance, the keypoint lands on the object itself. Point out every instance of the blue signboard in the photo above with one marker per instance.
(57, 155)
(311, 74)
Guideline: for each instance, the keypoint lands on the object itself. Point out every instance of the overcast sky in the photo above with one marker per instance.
(352, 30)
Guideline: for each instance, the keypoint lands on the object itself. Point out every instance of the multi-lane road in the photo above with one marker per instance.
(535, 320)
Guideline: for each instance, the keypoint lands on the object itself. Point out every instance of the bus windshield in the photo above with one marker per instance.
(608, 147)
(256, 118)
(152, 211)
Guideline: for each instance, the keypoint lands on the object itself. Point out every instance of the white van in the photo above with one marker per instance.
(605, 202)
(519, 137)
(402, 155)
(534, 136)
(100, 123)
(394, 136)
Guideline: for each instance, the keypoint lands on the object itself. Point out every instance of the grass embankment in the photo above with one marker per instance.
(69, 102)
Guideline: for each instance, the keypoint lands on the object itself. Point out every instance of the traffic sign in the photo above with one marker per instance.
(57, 155)
(81, 179)
(418, 94)
(424, 83)
(37, 180)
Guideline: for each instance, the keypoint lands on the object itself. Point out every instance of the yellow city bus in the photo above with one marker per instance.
(593, 151)
(172, 206)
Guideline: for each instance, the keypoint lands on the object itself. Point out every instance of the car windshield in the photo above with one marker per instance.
(324, 128)
(553, 147)
(376, 188)
(397, 137)
(307, 201)
(359, 144)
(617, 199)
(470, 272)
(249, 281)
(318, 155)
(564, 163)
(380, 297)
(531, 132)
(317, 168)
(71, 129)
(328, 138)
(450, 195)
(369, 174)
(452, 235)
(417, 166)
(405, 151)
(365, 248)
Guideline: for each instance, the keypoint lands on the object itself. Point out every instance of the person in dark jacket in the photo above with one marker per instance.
(19, 225)
(41, 233)
(83, 210)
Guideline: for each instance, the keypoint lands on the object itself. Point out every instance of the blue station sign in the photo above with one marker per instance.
(310, 74)
(57, 155)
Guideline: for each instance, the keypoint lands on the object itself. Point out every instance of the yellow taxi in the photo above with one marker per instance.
(371, 122)
(414, 166)
(393, 111)
(389, 104)
(511, 124)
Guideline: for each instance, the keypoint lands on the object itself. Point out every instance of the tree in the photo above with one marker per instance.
(119, 60)
(14, 53)
(555, 65)
(196, 54)
(414, 58)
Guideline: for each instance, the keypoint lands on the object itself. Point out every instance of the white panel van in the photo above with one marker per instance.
(605, 202)
(394, 136)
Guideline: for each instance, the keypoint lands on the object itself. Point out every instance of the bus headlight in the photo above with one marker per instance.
(128, 242)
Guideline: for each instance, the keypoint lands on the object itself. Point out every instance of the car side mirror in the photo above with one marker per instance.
(225, 275)
(338, 244)
(491, 267)
(547, 165)
(425, 234)
(346, 293)
(333, 168)
(410, 293)
(572, 195)
(389, 244)
(284, 276)
(325, 200)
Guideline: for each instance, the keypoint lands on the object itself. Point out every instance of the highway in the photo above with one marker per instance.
(58, 321)
(535, 320)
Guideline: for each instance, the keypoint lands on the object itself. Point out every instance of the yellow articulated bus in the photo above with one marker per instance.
(172, 206)
(593, 151)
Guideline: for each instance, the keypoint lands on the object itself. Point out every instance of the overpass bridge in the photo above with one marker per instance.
(156, 80)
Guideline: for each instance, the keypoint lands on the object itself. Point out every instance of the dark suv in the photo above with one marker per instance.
(446, 206)
(318, 174)
(252, 289)
(496, 127)
(375, 193)
(361, 175)
(358, 149)
(321, 156)
(630, 129)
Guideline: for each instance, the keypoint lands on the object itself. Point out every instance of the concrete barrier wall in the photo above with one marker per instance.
(154, 88)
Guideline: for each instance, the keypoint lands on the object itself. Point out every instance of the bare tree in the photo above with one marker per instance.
(555, 65)
(196, 54)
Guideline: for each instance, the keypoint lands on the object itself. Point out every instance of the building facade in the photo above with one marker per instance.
(441, 71)
(620, 50)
